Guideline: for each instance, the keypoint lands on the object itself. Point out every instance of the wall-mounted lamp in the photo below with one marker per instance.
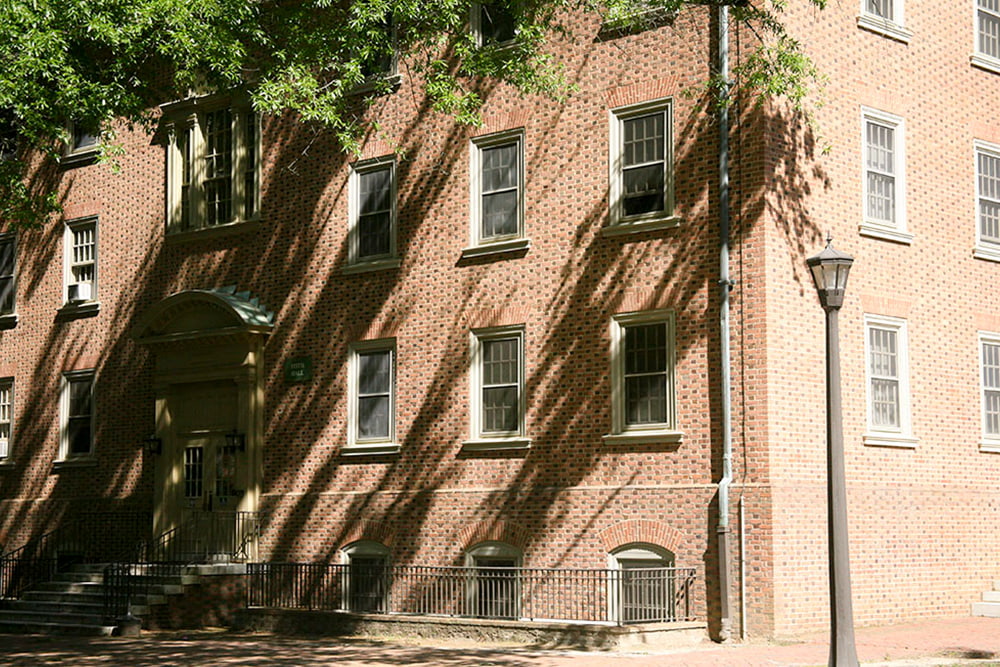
(153, 444)
(236, 441)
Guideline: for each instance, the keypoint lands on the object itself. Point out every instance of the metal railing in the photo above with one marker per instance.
(82, 538)
(204, 537)
(619, 597)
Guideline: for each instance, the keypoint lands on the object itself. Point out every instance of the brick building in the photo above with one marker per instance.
(501, 346)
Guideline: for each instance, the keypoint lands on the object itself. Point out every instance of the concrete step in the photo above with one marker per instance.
(991, 596)
(55, 596)
(10, 626)
(991, 609)
(76, 607)
(53, 618)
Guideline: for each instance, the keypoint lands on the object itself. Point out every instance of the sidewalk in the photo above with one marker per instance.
(962, 641)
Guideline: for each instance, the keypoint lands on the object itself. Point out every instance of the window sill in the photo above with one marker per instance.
(8, 321)
(889, 440)
(79, 158)
(76, 311)
(649, 437)
(371, 449)
(885, 234)
(497, 248)
(216, 231)
(371, 266)
(639, 226)
(496, 444)
(989, 446)
(990, 253)
(985, 62)
(83, 461)
(639, 21)
(388, 83)
(885, 28)
(6, 462)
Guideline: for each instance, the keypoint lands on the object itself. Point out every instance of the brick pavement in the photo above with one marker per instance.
(962, 641)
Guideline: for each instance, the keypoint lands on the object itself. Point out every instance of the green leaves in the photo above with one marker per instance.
(98, 61)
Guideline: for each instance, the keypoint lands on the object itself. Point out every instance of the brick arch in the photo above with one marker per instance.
(369, 529)
(641, 530)
(494, 531)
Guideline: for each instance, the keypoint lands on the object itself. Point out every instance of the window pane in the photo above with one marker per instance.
(880, 8)
(989, 30)
(194, 472)
(499, 167)
(6, 415)
(374, 372)
(643, 140)
(645, 374)
(499, 409)
(374, 235)
(250, 174)
(500, 214)
(374, 213)
(78, 435)
(79, 398)
(495, 24)
(884, 372)
(500, 361)
(989, 197)
(373, 417)
(218, 186)
(991, 388)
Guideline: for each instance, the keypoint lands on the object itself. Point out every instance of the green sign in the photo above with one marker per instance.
(299, 370)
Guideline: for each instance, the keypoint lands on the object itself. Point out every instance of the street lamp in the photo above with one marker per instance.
(829, 269)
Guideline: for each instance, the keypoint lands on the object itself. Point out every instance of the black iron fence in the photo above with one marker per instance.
(81, 538)
(626, 596)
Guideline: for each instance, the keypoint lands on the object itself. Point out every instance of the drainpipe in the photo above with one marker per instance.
(725, 286)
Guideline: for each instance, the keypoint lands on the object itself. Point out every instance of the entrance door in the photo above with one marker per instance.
(207, 496)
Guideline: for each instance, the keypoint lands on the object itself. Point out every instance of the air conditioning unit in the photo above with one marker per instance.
(79, 292)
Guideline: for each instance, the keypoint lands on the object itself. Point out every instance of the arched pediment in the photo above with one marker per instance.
(201, 313)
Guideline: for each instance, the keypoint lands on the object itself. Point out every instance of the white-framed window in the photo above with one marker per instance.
(213, 164)
(8, 272)
(80, 262)
(77, 410)
(888, 382)
(989, 351)
(495, 590)
(884, 169)
(372, 214)
(987, 201)
(496, 380)
(642, 587)
(82, 144)
(884, 17)
(368, 577)
(496, 204)
(643, 403)
(986, 35)
(6, 417)
(641, 193)
(492, 25)
(371, 417)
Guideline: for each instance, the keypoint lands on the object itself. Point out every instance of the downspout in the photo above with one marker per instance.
(725, 286)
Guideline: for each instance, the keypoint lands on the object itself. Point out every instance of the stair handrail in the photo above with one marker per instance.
(13, 579)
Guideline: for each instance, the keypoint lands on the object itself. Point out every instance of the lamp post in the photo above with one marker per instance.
(829, 269)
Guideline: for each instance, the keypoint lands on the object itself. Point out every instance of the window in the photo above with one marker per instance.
(6, 417)
(990, 351)
(497, 197)
(636, 15)
(77, 414)
(82, 145)
(379, 60)
(372, 230)
(642, 378)
(372, 409)
(884, 17)
(888, 382)
(495, 589)
(81, 262)
(493, 25)
(987, 201)
(986, 52)
(497, 383)
(8, 259)
(213, 164)
(641, 161)
(368, 578)
(643, 588)
(884, 177)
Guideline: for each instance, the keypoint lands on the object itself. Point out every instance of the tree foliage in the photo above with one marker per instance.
(96, 62)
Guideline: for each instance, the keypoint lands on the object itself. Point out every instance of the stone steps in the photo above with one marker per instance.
(990, 606)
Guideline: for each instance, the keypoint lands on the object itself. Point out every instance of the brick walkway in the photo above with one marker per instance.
(945, 642)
